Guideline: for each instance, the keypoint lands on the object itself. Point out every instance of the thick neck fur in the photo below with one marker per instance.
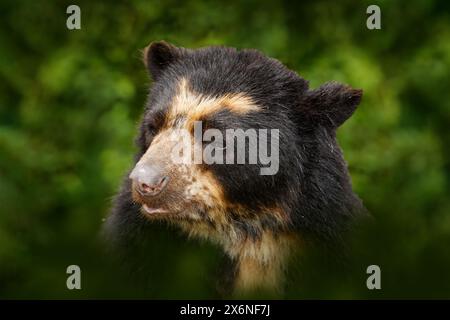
(258, 257)
(260, 263)
(328, 204)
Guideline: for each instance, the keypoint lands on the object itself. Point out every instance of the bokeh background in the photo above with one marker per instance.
(70, 102)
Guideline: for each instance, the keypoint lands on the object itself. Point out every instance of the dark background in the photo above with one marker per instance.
(70, 102)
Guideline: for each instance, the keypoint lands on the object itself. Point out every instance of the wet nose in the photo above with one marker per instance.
(149, 180)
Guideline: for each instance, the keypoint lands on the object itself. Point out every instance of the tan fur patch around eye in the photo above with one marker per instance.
(195, 106)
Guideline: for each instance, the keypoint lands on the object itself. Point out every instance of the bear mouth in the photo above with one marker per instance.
(153, 211)
(161, 208)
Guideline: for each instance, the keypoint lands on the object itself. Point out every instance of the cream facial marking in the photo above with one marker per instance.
(195, 106)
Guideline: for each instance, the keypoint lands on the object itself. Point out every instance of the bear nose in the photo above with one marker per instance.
(149, 180)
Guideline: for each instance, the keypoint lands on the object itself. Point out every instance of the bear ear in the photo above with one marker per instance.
(159, 55)
(331, 104)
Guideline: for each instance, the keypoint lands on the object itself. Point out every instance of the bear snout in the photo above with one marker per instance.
(149, 180)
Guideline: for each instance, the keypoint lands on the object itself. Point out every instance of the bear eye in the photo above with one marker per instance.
(151, 127)
(150, 132)
(148, 138)
(155, 121)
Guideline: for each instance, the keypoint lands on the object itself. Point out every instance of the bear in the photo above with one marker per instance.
(259, 218)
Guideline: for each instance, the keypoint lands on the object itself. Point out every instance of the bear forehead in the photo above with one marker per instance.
(215, 71)
(231, 86)
(193, 106)
(182, 106)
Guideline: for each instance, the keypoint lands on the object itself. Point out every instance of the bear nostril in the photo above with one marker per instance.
(149, 180)
(163, 182)
(145, 188)
(153, 189)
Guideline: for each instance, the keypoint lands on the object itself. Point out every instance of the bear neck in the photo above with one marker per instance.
(259, 263)
(327, 204)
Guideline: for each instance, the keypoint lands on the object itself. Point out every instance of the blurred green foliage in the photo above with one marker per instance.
(70, 102)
